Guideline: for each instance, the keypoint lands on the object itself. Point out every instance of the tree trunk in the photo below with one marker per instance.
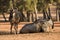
(58, 10)
(14, 3)
(45, 14)
(57, 14)
(28, 16)
(32, 17)
(35, 13)
(11, 4)
(49, 12)
(4, 16)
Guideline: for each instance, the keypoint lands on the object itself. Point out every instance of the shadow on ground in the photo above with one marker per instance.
(8, 33)
(5, 33)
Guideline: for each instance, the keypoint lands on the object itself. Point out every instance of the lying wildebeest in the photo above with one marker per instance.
(14, 19)
(38, 26)
(32, 27)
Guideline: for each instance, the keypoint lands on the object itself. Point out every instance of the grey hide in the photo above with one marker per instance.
(37, 26)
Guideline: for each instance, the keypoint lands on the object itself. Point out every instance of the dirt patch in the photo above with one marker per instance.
(5, 34)
(32, 36)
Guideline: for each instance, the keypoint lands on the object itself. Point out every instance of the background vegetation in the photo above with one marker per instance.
(30, 7)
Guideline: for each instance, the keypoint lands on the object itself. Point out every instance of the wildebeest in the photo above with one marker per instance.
(14, 19)
(31, 28)
(40, 25)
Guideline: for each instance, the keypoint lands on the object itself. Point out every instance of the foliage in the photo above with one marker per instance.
(24, 4)
(4, 5)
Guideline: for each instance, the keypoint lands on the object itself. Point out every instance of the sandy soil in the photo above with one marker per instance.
(5, 35)
(32, 36)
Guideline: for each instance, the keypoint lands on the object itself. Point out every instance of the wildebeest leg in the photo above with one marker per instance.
(16, 27)
(11, 27)
(53, 26)
(51, 30)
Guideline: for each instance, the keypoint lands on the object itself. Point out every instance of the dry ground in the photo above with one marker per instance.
(5, 35)
(33, 36)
